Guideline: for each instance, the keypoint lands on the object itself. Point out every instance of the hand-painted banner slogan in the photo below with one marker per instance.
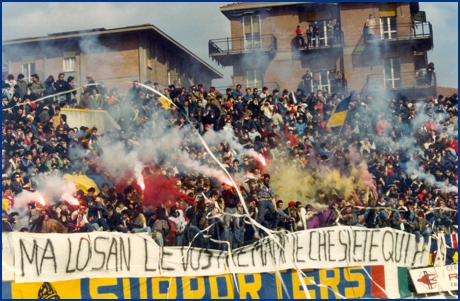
(352, 282)
(55, 257)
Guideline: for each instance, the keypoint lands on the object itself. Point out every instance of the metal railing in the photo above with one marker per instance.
(323, 40)
(403, 31)
(269, 85)
(251, 43)
(419, 80)
(358, 49)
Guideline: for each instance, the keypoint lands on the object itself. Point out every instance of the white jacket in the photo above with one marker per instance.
(179, 221)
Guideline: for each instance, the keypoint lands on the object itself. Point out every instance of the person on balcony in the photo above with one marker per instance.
(330, 33)
(309, 35)
(337, 33)
(370, 24)
(413, 25)
(429, 73)
(331, 77)
(316, 33)
(298, 32)
(338, 81)
(307, 82)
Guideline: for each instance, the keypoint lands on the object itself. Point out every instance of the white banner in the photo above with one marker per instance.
(54, 257)
(435, 279)
(7, 257)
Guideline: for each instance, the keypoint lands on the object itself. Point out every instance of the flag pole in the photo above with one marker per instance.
(341, 128)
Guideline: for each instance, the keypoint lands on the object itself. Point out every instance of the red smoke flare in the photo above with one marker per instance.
(40, 199)
(262, 159)
(140, 182)
(124, 182)
(159, 189)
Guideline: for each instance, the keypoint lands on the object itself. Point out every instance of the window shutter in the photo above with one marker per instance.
(247, 24)
(149, 58)
(68, 54)
(319, 15)
(387, 10)
(255, 25)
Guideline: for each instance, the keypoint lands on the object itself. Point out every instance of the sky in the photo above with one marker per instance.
(193, 24)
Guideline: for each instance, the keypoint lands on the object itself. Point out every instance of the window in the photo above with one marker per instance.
(251, 28)
(392, 73)
(69, 64)
(148, 57)
(320, 81)
(69, 61)
(28, 67)
(323, 38)
(149, 73)
(28, 70)
(168, 73)
(388, 28)
(255, 79)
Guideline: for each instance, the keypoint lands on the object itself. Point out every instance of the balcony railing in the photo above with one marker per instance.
(326, 41)
(403, 31)
(422, 31)
(270, 85)
(246, 44)
(418, 80)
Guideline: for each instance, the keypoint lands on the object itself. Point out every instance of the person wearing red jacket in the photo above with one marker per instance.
(452, 143)
(298, 32)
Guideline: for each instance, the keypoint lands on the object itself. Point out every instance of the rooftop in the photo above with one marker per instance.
(234, 8)
(103, 31)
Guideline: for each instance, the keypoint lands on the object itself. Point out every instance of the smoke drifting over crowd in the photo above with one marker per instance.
(142, 160)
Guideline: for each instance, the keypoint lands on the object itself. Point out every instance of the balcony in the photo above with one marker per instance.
(325, 42)
(387, 39)
(229, 51)
(410, 84)
(328, 47)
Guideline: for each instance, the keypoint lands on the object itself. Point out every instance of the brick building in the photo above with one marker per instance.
(264, 51)
(115, 56)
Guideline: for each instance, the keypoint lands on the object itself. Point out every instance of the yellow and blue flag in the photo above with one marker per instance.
(165, 103)
(339, 114)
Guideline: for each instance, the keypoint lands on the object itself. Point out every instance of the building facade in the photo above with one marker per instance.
(264, 50)
(114, 56)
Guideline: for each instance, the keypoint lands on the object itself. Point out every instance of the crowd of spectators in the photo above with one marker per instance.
(410, 147)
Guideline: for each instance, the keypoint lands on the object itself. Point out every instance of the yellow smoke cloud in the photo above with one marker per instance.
(294, 184)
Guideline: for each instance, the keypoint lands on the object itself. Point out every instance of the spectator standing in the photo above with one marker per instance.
(70, 81)
(84, 100)
(49, 86)
(429, 73)
(231, 201)
(60, 86)
(300, 38)
(160, 228)
(36, 87)
(370, 25)
(267, 198)
(330, 33)
(309, 35)
(177, 225)
(96, 102)
(316, 34)
(22, 83)
(307, 82)
(337, 33)
(11, 82)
